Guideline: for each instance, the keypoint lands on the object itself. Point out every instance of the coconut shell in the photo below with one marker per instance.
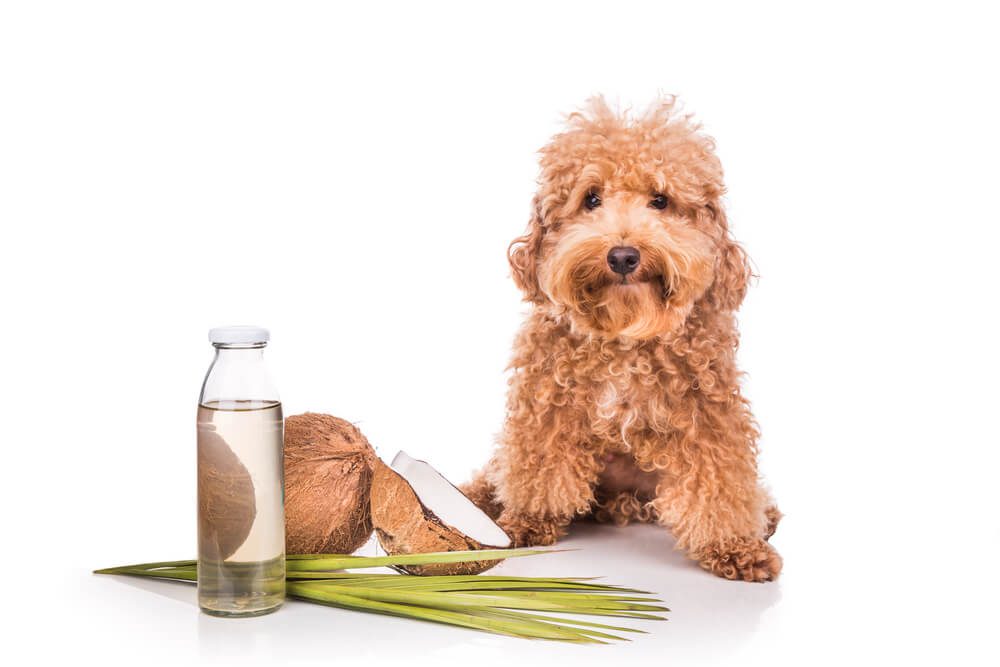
(404, 525)
(226, 503)
(328, 474)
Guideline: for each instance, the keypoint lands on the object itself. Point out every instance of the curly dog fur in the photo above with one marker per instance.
(624, 400)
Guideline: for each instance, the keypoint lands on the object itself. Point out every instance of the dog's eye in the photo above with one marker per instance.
(659, 202)
(591, 201)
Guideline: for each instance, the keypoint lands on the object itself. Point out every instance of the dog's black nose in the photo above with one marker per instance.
(623, 259)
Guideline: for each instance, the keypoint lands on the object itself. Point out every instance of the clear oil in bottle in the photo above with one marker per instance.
(241, 528)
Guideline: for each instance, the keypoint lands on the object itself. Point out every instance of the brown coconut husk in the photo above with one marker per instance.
(328, 475)
(404, 525)
(226, 503)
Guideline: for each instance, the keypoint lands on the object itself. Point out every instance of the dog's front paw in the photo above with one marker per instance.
(526, 531)
(746, 558)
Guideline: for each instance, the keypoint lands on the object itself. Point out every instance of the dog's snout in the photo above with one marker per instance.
(623, 259)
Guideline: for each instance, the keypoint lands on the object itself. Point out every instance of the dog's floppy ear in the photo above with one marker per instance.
(523, 256)
(732, 266)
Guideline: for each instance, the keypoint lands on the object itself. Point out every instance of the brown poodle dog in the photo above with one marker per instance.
(625, 401)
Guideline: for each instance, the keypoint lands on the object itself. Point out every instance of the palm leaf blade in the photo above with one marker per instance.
(505, 605)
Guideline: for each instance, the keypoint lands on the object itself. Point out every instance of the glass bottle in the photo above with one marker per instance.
(241, 522)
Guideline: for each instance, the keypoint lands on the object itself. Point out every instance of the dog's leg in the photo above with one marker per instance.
(725, 532)
(544, 475)
(715, 506)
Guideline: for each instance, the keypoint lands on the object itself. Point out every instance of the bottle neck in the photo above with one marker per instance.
(239, 354)
(238, 374)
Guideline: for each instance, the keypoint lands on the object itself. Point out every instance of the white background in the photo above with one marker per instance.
(350, 176)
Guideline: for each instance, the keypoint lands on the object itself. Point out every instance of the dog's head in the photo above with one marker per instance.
(628, 233)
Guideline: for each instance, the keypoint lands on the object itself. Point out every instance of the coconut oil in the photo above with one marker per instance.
(241, 530)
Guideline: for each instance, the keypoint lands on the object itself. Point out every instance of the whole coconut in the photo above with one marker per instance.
(328, 475)
(226, 503)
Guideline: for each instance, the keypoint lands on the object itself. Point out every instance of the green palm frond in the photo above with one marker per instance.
(528, 607)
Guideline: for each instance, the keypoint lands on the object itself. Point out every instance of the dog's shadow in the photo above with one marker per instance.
(707, 613)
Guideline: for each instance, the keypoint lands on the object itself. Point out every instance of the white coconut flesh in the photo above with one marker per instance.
(449, 504)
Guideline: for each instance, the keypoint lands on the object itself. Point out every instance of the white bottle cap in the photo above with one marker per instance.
(238, 335)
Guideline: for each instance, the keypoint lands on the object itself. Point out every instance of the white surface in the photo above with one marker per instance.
(447, 502)
(349, 175)
(242, 333)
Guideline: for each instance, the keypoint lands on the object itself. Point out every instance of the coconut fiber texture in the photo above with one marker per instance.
(404, 525)
(328, 475)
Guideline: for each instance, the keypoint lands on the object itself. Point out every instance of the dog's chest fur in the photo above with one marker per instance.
(625, 390)
(625, 394)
